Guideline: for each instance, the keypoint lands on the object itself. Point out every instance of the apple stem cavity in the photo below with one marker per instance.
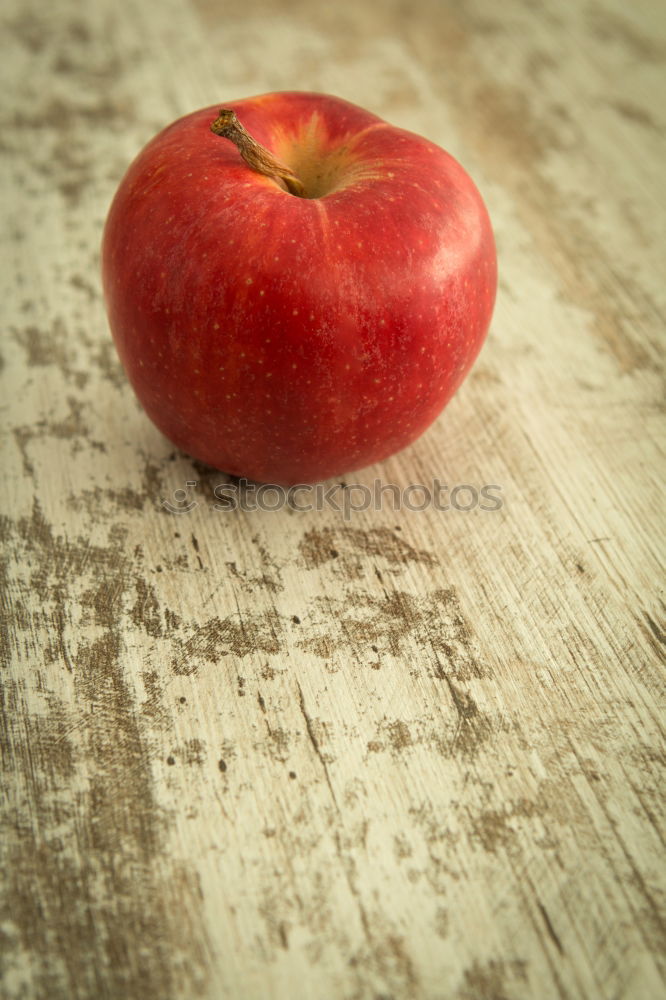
(255, 155)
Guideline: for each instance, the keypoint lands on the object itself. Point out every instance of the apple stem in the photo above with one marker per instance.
(256, 156)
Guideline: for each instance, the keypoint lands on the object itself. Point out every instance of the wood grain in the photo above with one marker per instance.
(381, 753)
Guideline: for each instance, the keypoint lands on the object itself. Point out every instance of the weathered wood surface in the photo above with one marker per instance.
(405, 754)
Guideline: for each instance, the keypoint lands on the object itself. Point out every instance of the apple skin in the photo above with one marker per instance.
(289, 339)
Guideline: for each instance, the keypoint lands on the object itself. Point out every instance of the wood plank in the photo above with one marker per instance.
(341, 753)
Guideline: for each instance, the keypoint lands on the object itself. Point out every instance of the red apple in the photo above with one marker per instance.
(286, 331)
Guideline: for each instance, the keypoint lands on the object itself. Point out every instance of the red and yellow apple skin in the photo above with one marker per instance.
(290, 339)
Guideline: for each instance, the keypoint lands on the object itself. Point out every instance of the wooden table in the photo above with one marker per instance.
(341, 754)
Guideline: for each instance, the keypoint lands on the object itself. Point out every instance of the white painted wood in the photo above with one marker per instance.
(406, 754)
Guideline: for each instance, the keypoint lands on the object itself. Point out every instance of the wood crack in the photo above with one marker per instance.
(549, 927)
(315, 745)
